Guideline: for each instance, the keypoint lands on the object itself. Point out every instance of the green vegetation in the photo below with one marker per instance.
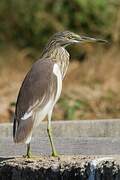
(71, 107)
(30, 23)
(25, 27)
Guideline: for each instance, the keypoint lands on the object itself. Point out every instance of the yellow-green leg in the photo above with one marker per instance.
(28, 154)
(49, 130)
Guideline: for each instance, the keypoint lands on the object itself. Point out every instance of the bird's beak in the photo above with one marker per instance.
(88, 39)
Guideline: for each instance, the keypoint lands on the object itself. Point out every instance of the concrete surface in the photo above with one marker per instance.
(86, 137)
(81, 128)
(68, 146)
(98, 137)
(91, 142)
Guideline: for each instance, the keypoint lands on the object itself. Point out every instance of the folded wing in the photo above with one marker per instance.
(34, 93)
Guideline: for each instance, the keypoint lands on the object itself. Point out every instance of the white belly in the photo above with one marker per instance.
(42, 113)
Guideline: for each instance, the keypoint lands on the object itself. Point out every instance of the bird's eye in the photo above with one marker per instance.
(69, 37)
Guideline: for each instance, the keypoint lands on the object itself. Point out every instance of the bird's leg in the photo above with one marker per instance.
(28, 154)
(54, 152)
(49, 130)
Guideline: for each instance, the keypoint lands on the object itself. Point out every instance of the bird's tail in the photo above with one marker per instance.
(22, 130)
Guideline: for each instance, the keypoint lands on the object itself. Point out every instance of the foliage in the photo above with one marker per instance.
(71, 107)
(30, 23)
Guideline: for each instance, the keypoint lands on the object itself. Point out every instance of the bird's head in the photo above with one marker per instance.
(66, 38)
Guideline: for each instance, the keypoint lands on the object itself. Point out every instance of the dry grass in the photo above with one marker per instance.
(94, 91)
(13, 65)
(90, 91)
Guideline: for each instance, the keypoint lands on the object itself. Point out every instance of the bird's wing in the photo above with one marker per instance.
(36, 87)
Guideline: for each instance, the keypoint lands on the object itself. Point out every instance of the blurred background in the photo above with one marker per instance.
(91, 89)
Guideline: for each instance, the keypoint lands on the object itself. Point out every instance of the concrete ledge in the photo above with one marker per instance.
(90, 141)
(81, 128)
(89, 137)
(62, 168)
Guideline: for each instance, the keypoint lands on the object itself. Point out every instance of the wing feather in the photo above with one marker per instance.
(35, 91)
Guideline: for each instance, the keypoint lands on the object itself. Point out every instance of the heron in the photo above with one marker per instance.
(42, 88)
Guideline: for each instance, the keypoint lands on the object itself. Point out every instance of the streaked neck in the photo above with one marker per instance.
(60, 56)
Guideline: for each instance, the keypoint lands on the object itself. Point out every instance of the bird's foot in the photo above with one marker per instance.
(55, 154)
(28, 155)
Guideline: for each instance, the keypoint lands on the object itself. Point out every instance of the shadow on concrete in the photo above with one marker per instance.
(6, 158)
